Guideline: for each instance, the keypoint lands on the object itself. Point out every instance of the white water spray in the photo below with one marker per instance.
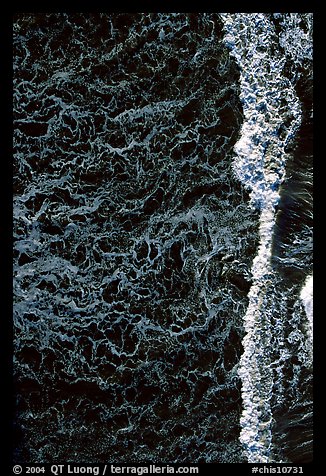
(269, 101)
(306, 296)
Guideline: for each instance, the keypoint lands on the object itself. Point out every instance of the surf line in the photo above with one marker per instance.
(269, 102)
(306, 297)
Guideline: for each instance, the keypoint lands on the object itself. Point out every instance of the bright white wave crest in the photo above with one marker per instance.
(268, 99)
(306, 296)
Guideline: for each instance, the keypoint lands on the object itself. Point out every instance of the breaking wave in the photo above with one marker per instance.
(272, 116)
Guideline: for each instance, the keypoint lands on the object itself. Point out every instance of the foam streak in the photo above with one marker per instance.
(306, 296)
(269, 100)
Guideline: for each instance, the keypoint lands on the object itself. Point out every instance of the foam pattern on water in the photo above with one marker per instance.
(272, 116)
(133, 239)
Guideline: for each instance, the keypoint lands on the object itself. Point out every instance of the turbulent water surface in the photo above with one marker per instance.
(272, 116)
(162, 237)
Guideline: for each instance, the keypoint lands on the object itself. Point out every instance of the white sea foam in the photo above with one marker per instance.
(306, 296)
(268, 99)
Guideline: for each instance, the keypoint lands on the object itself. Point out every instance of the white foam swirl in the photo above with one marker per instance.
(306, 296)
(269, 101)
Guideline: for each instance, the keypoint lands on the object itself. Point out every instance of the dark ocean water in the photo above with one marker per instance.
(138, 230)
